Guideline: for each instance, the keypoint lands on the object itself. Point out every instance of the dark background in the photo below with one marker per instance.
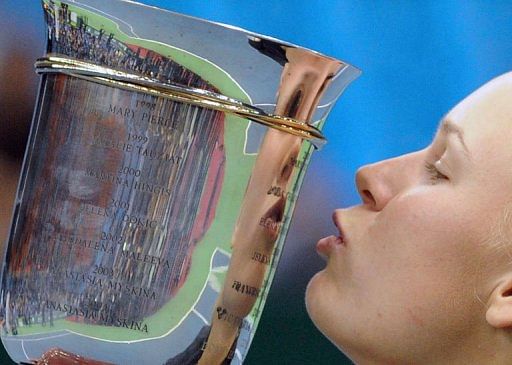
(419, 58)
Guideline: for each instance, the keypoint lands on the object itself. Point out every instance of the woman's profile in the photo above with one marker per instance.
(421, 271)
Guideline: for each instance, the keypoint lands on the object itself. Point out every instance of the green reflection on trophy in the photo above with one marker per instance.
(158, 186)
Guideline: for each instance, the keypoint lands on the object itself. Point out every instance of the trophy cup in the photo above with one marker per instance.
(161, 173)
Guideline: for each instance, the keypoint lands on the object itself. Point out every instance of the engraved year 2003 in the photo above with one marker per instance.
(109, 272)
(104, 271)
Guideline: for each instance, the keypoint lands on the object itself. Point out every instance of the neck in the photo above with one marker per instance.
(495, 347)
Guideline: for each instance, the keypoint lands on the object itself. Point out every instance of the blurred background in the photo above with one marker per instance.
(419, 58)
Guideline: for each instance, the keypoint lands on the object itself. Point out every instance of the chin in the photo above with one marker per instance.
(310, 291)
(316, 301)
(323, 312)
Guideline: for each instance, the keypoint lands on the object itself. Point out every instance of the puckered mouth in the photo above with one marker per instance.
(337, 222)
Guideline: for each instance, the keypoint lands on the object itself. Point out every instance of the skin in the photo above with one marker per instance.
(423, 275)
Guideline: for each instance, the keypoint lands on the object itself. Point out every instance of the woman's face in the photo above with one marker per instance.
(410, 280)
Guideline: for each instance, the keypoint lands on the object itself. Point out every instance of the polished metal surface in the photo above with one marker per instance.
(162, 171)
(184, 94)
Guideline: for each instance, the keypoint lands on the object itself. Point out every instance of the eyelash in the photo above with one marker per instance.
(434, 174)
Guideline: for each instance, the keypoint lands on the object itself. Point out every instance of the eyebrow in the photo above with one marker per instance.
(448, 127)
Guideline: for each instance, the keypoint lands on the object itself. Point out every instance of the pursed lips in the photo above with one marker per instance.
(336, 218)
(326, 245)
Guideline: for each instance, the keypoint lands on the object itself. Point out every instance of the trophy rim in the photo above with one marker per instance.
(242, 30)
(56, 64)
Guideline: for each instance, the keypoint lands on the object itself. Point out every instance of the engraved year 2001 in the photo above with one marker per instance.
(114, 203)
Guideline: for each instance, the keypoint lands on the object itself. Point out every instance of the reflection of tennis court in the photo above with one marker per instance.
(237, 169)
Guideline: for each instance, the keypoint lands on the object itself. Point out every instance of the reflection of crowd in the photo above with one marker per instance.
(80, 41)
(27, 306)
(30, 269)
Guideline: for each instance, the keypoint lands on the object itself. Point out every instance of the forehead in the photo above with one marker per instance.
(485, 116)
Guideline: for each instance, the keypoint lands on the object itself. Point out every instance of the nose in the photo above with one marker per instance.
(380, 182)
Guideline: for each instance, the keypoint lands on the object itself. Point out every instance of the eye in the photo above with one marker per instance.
(434, 174)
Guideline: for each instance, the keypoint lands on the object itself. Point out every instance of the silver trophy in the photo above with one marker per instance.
(164, 161)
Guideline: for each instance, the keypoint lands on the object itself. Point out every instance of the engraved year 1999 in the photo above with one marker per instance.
(137, 138)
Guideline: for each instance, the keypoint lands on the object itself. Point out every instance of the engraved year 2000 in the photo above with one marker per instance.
(130, 171)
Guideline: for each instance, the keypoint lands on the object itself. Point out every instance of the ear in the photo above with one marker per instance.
(499, 311)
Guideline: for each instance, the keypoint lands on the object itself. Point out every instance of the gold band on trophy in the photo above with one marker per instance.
(207, 99)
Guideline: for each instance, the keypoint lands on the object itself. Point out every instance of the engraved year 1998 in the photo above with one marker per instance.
(145, 104)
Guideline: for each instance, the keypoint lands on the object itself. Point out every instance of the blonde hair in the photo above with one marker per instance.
(500, 235)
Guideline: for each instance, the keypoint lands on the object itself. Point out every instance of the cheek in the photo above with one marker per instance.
(408, 272)
(426, 229)
(427, 249)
